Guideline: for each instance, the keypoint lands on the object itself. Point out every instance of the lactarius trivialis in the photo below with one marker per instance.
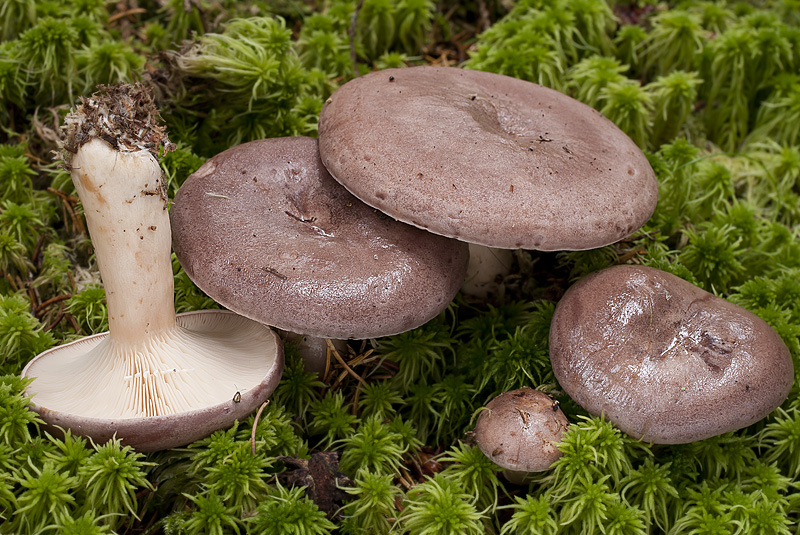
(154, 380)
(486, 159)
(664, 360)
(519, 430)
(291, 248)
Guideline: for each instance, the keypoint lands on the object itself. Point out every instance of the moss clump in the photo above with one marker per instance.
(709, 89)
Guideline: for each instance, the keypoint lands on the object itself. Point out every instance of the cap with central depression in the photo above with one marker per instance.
(486, 158)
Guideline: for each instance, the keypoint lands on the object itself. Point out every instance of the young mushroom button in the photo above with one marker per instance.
(518, 431)
(154, 380)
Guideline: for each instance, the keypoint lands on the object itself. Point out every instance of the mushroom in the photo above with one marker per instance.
(154, 380)
(664, 360)
(519, 430)
(291, 248)
(486, 266)
(486, 158)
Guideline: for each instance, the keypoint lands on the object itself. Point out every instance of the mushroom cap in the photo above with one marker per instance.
(486, 158)
(519, 430)
(264, 230)
(664, 360)
(213, 368)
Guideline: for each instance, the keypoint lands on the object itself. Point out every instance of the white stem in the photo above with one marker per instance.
(126, 212)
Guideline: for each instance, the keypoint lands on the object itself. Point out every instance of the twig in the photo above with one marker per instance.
(74, 323)
(351, 32)
(483, 12)
(50, 301)
(255, 424)
(342, 362)
(132, 11)
(55, 321)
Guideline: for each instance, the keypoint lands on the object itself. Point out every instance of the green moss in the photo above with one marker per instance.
(687, 80)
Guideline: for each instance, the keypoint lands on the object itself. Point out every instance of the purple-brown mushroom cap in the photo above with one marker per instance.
(264, 230)
(664, 360)
(486, 158)
(519, 430)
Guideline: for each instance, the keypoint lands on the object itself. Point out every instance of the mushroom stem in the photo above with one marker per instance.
(126, 212)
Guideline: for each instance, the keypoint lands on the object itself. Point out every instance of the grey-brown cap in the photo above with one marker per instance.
(664, 360)
(264, 230)
(518, 430)
(486, 158)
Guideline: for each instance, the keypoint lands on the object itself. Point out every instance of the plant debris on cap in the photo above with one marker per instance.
(124, 115)
(486, 158)
(519, 430)
(264, 230)
(664, 360)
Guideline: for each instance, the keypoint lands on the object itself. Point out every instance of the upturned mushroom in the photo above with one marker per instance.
(291, 248)
(519, 430)
(664, 360)
(154, 380)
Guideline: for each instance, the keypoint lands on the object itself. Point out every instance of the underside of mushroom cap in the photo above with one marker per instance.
(264, 230)
(213, 368)
(486, 158)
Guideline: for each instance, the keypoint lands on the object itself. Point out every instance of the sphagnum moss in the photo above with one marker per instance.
(726, 221)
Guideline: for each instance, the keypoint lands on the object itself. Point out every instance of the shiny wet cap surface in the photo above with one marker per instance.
(664, 360)
(264, 230)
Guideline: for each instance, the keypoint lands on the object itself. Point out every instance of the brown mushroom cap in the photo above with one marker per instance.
(216, 367)
(664, 360)
(264, 230)
(486, 158)
(519, 430)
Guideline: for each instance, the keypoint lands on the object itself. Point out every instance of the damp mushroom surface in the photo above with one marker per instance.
(519, 431)
(486, 159)
(291, 248)
(664, 360)
(155, 380)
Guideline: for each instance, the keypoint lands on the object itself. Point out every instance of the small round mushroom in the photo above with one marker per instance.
(664, 360)
(486, 158)
(519, 430)
(291, 248)
(154, 380)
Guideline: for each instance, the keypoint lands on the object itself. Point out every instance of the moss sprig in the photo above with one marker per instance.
(439, 507)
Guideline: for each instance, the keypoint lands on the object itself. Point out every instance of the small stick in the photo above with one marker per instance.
(74, 323)
(342, 362)
(51, 301)
(55, 321)
(132, 11)
(327, 360)
(351, 32)
(255, 424)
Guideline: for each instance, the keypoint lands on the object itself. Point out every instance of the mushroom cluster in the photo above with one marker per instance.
(469, 157)
(367, 232)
